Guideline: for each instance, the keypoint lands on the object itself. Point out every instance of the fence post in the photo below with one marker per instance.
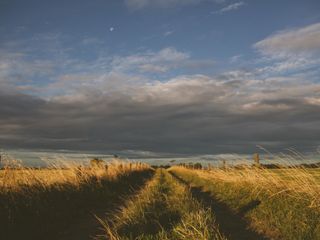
(256, 159)
(224, 164)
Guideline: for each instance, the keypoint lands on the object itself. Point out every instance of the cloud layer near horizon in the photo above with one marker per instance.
(118, 103)
(186, 114)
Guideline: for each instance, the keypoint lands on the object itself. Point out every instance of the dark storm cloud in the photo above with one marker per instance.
(186, 115)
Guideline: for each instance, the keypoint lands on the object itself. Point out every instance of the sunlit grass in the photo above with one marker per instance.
(163, 210)
(34, 202)
(288, 198)
(14, 176)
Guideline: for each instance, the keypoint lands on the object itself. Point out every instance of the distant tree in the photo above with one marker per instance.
(197, 166)
(96, 162)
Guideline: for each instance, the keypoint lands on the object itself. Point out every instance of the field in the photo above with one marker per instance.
(51, 203)
(124, 200)
(277, 203)
(163, 210)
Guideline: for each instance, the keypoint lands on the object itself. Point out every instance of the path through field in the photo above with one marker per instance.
(168, 208)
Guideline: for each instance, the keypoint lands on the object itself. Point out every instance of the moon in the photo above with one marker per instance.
(111, 29)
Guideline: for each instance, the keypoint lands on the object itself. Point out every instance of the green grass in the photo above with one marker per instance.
(282, 212)
(163, 210)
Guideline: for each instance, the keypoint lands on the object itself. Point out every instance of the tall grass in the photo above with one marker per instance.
(15, 177)
(163, 210)
(297, 182)
(37, 202)
(287, 199)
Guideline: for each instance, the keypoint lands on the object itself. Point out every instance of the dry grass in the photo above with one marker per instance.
(164, 210)
(286, 201)
(35, 202)
(15, 176)
(301, 183)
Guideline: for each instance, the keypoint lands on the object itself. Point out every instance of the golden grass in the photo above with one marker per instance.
(280, 203)
(53, 197)
(297, 182)
(15, 176)
(164, 210)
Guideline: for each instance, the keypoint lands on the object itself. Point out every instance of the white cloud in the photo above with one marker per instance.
(168, 33)
(231, 7)
(139, 4)
(171, 54)
(15, 67)
(235, 58)
(288, 65)
(161, 61)
(153, 68)
(64, 75)
(305, 40)
(290, 50)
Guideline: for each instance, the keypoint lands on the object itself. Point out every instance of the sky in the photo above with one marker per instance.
(156, 77)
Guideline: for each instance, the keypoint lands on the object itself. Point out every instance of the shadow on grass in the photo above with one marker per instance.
(248, 207)
(231, 224)
(65, 212)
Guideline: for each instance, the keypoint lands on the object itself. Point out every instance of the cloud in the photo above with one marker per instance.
(140, 4)
(235, 58)
(119, 102)
(185, 114)
(168, 33)
(231, 7)
(303, 40)
(64, 74)
(158, 62)
(17, 69)
(161, 61)
(90, 41)
(290, 51)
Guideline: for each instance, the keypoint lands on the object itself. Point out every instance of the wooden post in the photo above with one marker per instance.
(256, 159)
(224, 164)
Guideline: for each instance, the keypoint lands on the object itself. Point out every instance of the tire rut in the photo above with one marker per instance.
(232, 225)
